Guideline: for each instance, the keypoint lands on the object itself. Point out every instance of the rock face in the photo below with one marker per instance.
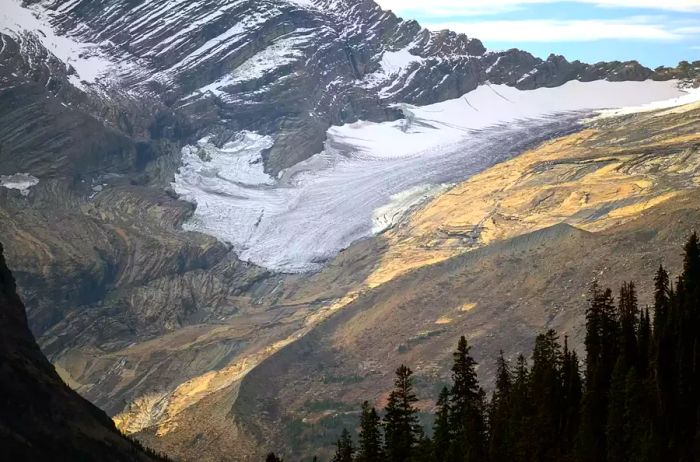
(285, 68)
(41, 418)
(617, 170)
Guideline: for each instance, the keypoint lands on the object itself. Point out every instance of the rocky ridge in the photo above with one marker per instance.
(289, 69)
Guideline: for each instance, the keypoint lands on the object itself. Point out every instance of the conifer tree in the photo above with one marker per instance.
(370, 437)
(688, 350)
(601, 355)
(615, 426)
(401, 428)
(663, 373)
(691, 265)
(638, 419)
(661, 300)
(424, 450)
(572, 388)
(547, 395)
(628, 313)
(500, 438)
(344, 449)
(644, 344)
(467, 408)
(521, 415)
(442, 436)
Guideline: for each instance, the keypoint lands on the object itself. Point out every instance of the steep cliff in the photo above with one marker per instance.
(41, 418)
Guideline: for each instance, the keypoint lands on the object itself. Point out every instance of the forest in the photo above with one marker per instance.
(633, 397)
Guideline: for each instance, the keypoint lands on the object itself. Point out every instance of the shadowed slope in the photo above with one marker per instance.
(40, 417)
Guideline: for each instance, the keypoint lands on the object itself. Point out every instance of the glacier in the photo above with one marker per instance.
(369, 173)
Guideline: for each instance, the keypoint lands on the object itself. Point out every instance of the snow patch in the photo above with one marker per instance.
(392, 65)
(18, 21)
(303, 3)
(237, 161)
(282, 52)
(445, 123)
(19, 181)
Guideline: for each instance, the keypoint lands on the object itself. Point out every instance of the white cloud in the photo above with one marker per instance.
(434, 8)
(586, 30)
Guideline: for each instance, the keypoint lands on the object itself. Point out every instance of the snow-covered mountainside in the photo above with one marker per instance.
(284, 68)
(262, 87)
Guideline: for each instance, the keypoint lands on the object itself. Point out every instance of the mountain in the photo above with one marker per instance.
(41, 418)
(291, 69)
(196, 196)
(426, 281)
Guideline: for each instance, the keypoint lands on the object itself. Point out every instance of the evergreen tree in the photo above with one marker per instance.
(401, 428)
(637, 419)
(500, 438)
(442, 436)
(615, 427)
(688, 350)
(663, 372)
(521, 415)
(344, 449)
(572, 388)
(424, 451)
(370, 438)
(547, 398)
(691, 265)
(466, 408)
(661, 300)
(601, 355)
(644, 344)
(628, 313)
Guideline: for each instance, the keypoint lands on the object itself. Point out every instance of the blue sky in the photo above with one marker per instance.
(654, 32)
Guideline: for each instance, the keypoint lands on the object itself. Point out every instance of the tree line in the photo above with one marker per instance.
(635, 398)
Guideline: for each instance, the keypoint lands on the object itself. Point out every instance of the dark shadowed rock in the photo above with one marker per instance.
(40, 417)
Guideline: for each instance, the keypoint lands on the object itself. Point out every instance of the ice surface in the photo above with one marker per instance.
(19, 181)
(692, 96)
(392, 213)
(238, 161)
(452, 120)
(370, 173)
